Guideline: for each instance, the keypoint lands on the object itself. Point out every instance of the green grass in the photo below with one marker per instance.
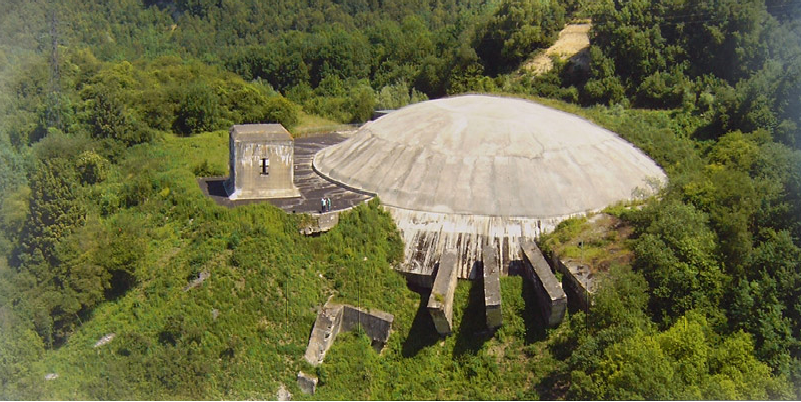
(312, 123)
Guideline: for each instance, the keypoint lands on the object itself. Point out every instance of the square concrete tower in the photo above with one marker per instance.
(261, 158)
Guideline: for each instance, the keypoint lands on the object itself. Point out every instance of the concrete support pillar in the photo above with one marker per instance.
(551, 297)
(440, 303)
(492, 287)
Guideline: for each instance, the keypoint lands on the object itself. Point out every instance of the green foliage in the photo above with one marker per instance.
(20, 347)
(92, 167)
(280, 110)
(686, 362)
(517, 28)
(676, 253)
(102, 224)
(199, 111)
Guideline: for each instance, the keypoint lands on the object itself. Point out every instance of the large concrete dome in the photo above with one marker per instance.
(493, 156)
(473, 171)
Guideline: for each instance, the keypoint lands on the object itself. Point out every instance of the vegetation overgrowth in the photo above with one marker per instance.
(110, 110)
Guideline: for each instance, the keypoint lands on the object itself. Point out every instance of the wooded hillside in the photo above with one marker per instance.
(110, 110)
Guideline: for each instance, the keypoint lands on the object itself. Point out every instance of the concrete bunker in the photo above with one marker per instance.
(261, 162)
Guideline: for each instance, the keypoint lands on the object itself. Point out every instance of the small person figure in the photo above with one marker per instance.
(322, 203)
(328, 200)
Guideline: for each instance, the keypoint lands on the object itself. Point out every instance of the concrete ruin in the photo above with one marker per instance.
(336, 318)
(548, 290)
(578, 282)
(492, 287)
(440, 302)
(261, 162)
(465, 172)
(321, 222)
(307, 383)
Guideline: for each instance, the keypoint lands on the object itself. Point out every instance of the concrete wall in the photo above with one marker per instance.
(375, 323)
(492, 287)
(440, 302)
(336, 318)
(246, 180)
(577, 282)
(551, 297)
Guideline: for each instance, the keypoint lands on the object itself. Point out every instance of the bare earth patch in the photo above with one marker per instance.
(573, 44)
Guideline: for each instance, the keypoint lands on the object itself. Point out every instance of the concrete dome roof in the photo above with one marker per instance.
(492, 156)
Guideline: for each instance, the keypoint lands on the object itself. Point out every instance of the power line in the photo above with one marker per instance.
(53, 106)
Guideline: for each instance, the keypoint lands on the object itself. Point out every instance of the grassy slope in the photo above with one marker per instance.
(266, 282)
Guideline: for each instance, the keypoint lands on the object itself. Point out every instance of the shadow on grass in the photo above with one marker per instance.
(422, 334)
(473, 332)
(532, 315)
(554, 386)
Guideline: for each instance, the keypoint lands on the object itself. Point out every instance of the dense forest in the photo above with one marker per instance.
(110, 110)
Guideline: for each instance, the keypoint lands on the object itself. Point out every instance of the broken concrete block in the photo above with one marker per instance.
(492, 287)
(104, 340)
(307, 383)
(326, 327)
(283, 394)
(197, 281)
(440, 302)
(548, 290)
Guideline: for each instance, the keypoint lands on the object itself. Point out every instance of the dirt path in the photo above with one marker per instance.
(573, 40)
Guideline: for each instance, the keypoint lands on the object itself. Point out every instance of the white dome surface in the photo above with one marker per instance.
(492, 156)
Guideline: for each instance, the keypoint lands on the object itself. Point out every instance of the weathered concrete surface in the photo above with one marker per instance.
(336, 318)
(426, 236)
(283, 394)
(260, 162)
(463, 172)
(321, 222)
(375, 323)
(551, 297)
(307, 383)
(492, 287)
(440, 302)
(326, 327)
(491, 156)
(311, 185)
(579, 283)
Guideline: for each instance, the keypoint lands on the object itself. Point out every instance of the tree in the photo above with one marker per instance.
(676, 254)
(516, 29)
(199, 110)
